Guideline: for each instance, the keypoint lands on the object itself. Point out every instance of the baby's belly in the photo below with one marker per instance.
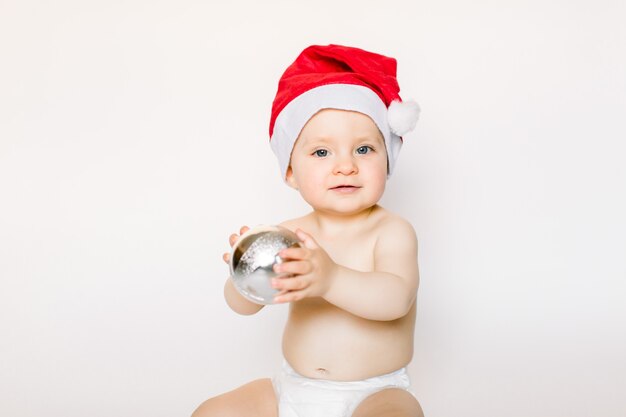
(322, 341)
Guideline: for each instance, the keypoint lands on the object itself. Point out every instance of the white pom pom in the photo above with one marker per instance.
(402, 116)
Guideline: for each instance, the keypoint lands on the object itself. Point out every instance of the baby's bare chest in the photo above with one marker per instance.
(354, 254)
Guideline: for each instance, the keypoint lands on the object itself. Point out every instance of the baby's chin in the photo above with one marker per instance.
(344, 211)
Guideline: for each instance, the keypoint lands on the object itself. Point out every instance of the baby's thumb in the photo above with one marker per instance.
(307, 239)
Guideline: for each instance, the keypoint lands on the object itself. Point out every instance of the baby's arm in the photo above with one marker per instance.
(237, 302)
(386, 293)
(390, 290)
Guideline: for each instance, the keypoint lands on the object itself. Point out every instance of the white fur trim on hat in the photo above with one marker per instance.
(353, 97)
(402, 116)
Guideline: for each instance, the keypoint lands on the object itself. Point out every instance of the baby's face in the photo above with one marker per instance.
(339, 162)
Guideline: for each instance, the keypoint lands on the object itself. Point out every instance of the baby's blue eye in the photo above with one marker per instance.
(363, 150)
(321, 152)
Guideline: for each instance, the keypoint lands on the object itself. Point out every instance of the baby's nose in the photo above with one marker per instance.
(345, 165)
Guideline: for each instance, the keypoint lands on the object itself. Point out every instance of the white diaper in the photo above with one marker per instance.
(299, 396)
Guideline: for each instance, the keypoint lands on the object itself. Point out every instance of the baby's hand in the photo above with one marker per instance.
(308, 271)
(232, 240)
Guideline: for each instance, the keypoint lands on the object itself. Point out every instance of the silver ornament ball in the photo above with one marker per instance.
(252, 261)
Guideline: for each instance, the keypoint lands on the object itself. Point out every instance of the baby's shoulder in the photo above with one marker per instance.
(385, 220)
(391, 227)
(296, 223)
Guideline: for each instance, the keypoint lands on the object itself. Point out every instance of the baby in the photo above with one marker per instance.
(336, 128)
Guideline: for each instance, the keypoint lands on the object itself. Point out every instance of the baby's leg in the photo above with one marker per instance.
(255, 399)
(392, 402)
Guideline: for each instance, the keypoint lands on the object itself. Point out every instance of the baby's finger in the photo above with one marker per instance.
(289, 284)
(235, 237)
(293, 267)
(279, 294)
(293, 253)
(232, 239)
(226, 257)
(289, 297)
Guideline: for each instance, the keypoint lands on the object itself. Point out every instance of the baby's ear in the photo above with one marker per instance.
(289, 179)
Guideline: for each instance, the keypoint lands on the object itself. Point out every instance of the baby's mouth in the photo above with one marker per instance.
(345, 188)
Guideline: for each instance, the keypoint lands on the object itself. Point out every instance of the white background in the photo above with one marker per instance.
(134, 140)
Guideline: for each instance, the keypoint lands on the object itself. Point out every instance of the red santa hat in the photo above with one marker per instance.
(345, 78)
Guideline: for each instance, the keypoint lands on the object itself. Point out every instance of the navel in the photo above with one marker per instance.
(321, 371)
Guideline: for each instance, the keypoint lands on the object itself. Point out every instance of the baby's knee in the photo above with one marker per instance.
(212, 407)
(254, 398)
(391, 402)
